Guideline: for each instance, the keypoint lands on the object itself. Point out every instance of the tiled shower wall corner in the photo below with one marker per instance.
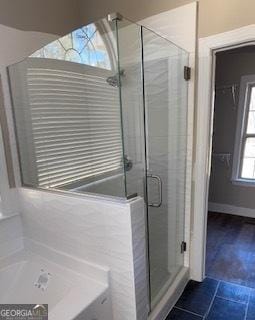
(11, 235)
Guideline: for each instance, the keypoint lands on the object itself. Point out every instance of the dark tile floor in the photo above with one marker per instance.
(214, 300)
(230, 259)
(231, 249)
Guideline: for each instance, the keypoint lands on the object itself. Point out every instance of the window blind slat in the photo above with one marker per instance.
(79, 169)
(78, 161)
(69, 150)
(75, 125)
(70, 174)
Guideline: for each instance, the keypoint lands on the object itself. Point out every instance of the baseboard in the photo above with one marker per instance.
(226, 208)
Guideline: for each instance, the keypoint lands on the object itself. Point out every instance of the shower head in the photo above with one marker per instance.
(114, 80)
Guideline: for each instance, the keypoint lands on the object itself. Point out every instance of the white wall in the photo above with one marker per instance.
(16, 45)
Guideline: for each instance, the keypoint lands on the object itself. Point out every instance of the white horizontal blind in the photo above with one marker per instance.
(75, 122)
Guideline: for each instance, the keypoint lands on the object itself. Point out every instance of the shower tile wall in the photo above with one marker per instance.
(166, 129)
(156, 79)
(166, 113)
(132, 104)
(177, 155)
(140, 260)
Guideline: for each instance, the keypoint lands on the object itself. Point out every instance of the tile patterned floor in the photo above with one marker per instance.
(230, 254)
(214, 300)
(230, 259)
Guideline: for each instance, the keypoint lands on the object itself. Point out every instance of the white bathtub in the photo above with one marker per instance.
(111, 186)
(69, 292)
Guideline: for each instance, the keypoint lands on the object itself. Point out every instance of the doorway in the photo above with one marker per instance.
(230, 253)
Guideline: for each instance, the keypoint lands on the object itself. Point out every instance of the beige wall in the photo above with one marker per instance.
(60, 16)
(131, 9)
(215, 16)
(50, 16)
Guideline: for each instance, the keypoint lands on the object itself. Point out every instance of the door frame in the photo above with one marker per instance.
(207, 48)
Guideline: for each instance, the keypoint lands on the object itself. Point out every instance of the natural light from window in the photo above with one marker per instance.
(84, 45)
(248, 163)
(71, 135)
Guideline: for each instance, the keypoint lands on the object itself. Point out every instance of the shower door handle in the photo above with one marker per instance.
(158, 179)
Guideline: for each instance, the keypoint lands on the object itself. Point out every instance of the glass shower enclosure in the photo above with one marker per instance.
(103, 110)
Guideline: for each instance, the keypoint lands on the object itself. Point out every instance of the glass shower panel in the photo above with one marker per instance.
(131, 93)
(166, 114)
(68, 115)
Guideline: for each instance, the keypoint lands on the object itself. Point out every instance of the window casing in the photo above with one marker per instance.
(243, 171)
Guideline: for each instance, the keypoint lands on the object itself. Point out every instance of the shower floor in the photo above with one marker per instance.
(160, 281)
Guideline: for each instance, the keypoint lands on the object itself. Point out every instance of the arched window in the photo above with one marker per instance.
(84, 45)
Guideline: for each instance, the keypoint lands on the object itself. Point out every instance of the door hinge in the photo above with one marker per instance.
(183, 246)
(187, 73)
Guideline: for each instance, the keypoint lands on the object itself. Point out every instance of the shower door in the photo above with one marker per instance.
(153, 99)
(165, 101)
